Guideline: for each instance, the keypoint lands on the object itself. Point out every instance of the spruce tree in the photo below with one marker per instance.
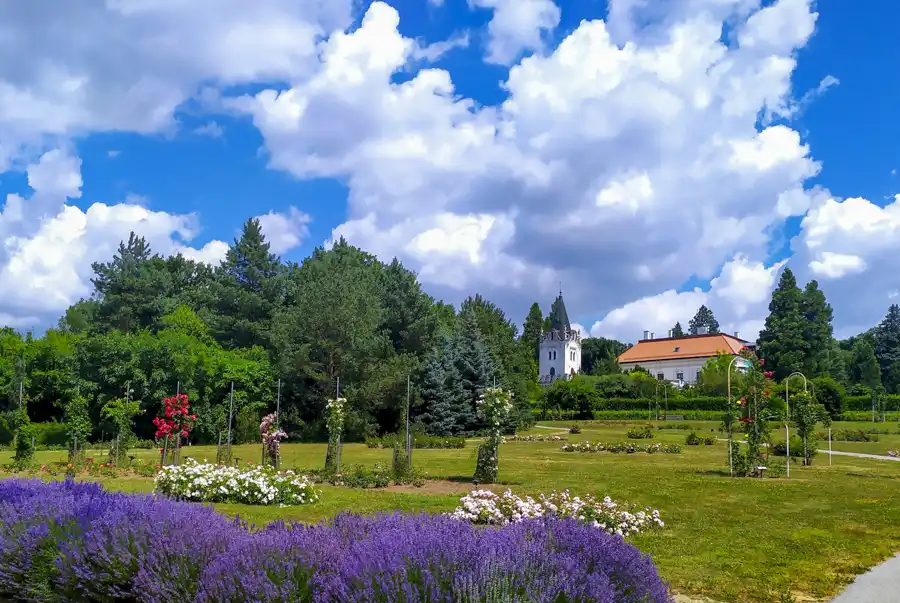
(887, 349)
(703, 318)
(677, 331)
(781, 342)
(446, 410)
(475, 365)
(817, 330)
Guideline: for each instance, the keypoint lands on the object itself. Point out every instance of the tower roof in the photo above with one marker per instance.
(559, 318)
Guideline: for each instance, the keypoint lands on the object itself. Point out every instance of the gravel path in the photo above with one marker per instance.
(880, 584)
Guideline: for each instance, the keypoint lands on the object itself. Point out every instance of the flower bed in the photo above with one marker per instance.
(534, 438)
(627, 447)
(486, 507)
(258, 485)
(75, 541)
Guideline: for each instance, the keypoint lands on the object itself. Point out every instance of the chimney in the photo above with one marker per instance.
(670, 332)
(646, 334)
(736, 335)
(651, 335)
(702, 331)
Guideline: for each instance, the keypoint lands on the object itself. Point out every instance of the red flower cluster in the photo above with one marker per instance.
(178, 419)
(768, 374)
(746, 419)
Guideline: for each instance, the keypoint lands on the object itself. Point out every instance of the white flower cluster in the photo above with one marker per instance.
(534, 438)
(494, 406)
(259, 485)
(486, 507)
(627, 447)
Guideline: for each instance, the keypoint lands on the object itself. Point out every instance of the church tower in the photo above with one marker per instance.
(560, 356)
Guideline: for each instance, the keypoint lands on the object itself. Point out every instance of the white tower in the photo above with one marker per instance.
(560, 356)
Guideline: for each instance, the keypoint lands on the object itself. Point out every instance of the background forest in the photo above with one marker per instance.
(154, 325)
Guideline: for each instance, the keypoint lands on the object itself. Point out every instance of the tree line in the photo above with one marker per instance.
(256, 327)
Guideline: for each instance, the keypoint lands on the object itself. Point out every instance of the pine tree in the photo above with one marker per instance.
(817, 330)
(781, 342)
(703, 318)
(887, 348)
(248, 290)
(533, 331)
(677, 331)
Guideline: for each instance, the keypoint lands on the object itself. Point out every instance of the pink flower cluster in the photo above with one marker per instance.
(271, 435)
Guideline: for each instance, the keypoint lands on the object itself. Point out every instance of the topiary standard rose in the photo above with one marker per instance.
(74, 541)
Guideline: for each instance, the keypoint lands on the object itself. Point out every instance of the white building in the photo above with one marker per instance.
(680, 359)
(560, 356)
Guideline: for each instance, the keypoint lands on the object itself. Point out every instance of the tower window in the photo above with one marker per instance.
(549, 355)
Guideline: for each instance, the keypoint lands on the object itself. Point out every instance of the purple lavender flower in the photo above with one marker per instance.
(74, 541)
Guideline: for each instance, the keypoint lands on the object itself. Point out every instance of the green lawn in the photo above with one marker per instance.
(729, 539)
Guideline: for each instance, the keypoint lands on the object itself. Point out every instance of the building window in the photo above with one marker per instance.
(679, 376)
(660, 376)
(698, 376)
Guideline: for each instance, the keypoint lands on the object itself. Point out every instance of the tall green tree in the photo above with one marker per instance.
(703, 318)
(864, 368)
(447, 408)
(248, 290)
(475, 362)
(598, 355)
(533, 331)
(817, 330)
(887, 349)
(781, 342)
(677, 331)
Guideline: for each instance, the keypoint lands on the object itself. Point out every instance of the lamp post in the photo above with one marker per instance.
(787, 416)
(665, 396)
(730, 407)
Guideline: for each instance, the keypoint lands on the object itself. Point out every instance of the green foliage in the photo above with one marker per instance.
(829, 393)
(780, 448)
(121, 411)
(598, 355)
(864, 368)
(703, 318)
(577, 395)
(887, 349)
(575, 429)
(677, 331)
(422, 441)
(639, 432)
(533, 332)
(6, 434)
(781, 342)
(25, 439)
(806, 414)
(714, 377)
(817, 331)
(52, 434)
(692, 439)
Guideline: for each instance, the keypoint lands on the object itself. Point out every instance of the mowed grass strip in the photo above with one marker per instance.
(728, 539)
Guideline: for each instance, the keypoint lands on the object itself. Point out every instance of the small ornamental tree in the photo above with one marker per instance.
(175, 425)
(20, 424)
(271, 435)
(494, 407)
(335, 414)
(79, 427)
(122, 413)
(755, 409)
(805, 413)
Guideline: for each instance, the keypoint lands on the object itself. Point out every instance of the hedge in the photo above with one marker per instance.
(682, 404)
(50, 434)
(861, 403)
(419, 441)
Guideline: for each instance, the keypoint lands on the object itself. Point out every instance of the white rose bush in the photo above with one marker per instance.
(258, 485)
(484, 507)
(494, 407)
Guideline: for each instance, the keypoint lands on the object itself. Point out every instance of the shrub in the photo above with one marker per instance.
(419, 441)
(574, 429)
(362, 477)
(692, 439)
(74, 541)
(780, 448)
(709, 440)
(486, 507)
(628, 447)
(676, 406)
(851, 435)
(260, 485)
(6, 434)
(642, 432)
(678, 426)
(50, 434)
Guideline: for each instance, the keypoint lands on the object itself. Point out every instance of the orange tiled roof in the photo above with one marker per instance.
(692, 346)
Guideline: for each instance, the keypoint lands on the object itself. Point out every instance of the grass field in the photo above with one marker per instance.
(729, 539)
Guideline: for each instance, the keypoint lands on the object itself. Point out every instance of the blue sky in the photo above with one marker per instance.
(217, 163)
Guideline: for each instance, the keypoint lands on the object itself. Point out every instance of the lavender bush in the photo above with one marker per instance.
(67, 541)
